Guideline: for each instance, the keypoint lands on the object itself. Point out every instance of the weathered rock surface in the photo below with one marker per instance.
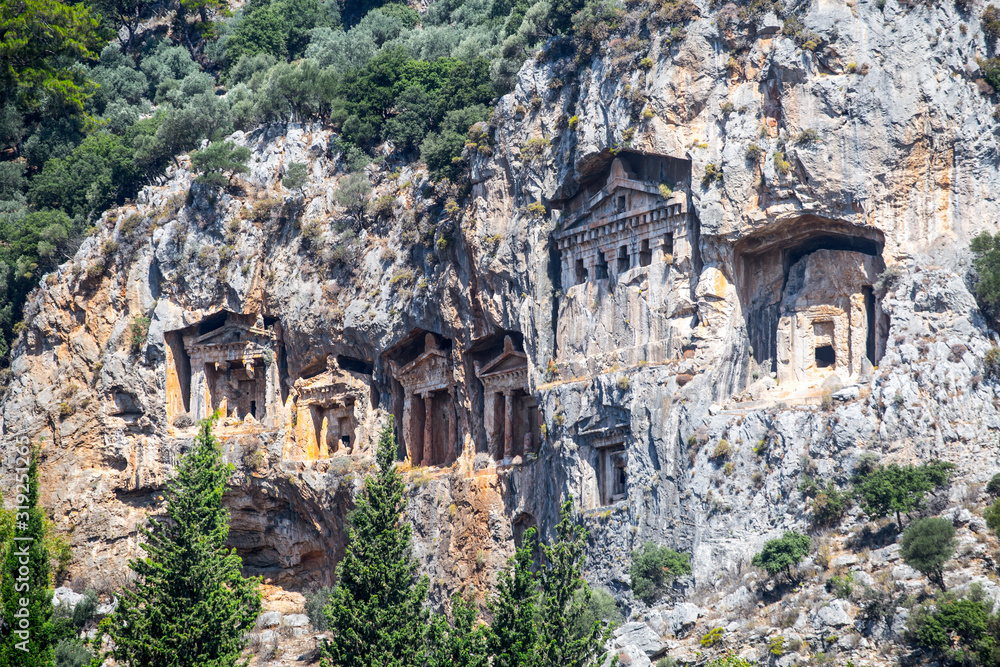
(645, 371)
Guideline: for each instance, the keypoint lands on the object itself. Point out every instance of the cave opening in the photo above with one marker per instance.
(825, 357)
(806, 289)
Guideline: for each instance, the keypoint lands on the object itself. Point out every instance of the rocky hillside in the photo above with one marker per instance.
(688, 269)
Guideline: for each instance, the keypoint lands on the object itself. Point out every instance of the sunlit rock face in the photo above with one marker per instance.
(775, 256)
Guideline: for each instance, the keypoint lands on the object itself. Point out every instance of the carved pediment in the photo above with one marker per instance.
(509, 361)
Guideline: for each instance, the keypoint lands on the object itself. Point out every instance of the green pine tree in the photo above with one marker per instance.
(461, 643)
(513, 637)
(376, 611)
(27, 638)
(563, 641)
(191, 605)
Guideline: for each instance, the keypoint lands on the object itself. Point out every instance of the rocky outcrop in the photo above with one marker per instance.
(666, 251)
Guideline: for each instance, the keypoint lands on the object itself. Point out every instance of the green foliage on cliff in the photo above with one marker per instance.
(191, 605)
(884, 490)
(781, 554)
(965, 630)
(376, 613)
(653, 568)
(927, 545)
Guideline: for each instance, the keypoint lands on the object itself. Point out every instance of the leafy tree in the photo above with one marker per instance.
(993, 487)
(40, 42)
(992, 516)
(442, 150)
(985, 249)
(463, 642)
(561, 641)
(296, 176)
(895, 488)
(353, 192)
(27, 637)
(653, 567)
(601, 608)
(376, 611)
(72, 653)
(964, 630)
(828, 504)
(219, 159)
(781, 554)
(927, 545)
(191, 604)
(513, 636)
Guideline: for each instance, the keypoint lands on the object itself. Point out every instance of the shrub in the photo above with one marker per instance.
(727, 108)
(986, 260)
(653, 567)
(990, 20)
(781, 554)
(315, 601)
(137, 332)
(296, 176)
(534, 148)
(993, 487)
(780, 164)
(992, 516)
(712, 637)
(353, 192)
(72, 653)
(754, 153)
(712, 173)
(667, 661)
(723, 450)
(841, 586)
(776, 646)
(218, 160)
(991, 363)
(600, 607)
(961, 629)
(666, 191)
(807, 136)
(828, 504)
(381, 207)
(927, 545)
(85, 608)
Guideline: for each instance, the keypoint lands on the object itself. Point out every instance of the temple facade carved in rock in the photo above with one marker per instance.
(430, 416)
(626, 242)
(228, 363)
(510, 412)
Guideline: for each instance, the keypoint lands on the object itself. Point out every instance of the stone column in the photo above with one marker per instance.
(409, 437)
(428, 428)
(199, 392)
(489, 420)
(453, 427)
(508, 424)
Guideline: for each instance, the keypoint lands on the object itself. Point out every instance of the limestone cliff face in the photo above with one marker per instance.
(674, 357)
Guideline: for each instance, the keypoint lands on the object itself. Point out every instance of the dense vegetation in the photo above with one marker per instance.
(377, 614)
(98, 99)
(191, 603)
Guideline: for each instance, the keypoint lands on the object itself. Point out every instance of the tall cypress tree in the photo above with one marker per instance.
(562, 640)
(191, 606)
(461, 643)
(376, 611)
(27, 637)
(513, 637)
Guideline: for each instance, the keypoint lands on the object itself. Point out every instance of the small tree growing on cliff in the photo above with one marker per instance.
(191, 605)
(27, 639)
(884, 490)
(376, 611)
(219, 159)
(781, 554)
(927, 545)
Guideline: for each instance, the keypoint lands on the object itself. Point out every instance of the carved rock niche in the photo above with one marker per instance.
(510, 412)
